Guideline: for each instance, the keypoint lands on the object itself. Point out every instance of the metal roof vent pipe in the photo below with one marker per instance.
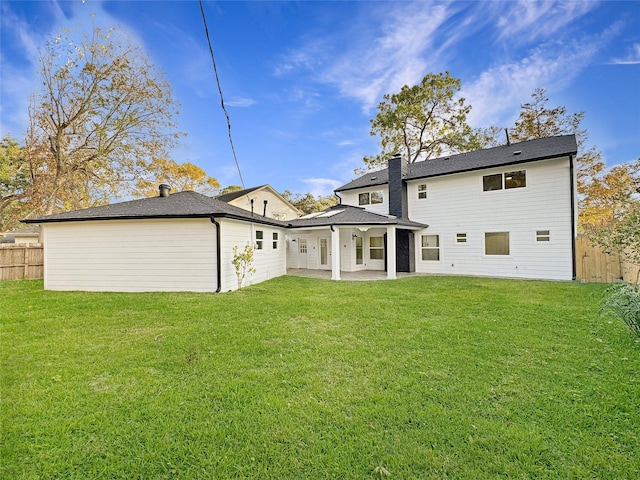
(164, 189)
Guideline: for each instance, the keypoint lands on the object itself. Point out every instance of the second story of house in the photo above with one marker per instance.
(536, 177)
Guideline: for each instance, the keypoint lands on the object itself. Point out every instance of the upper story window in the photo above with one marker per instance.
(422, 191)
(370, 198)
(498, 181)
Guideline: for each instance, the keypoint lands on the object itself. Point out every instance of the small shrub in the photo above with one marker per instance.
(623, 301)
(242, 261)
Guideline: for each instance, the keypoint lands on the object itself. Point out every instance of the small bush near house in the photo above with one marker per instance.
(623, 302)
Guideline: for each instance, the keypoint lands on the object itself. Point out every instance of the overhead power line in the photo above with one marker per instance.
(224, 109)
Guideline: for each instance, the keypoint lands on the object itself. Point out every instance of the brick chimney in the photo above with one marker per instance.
(397, 187)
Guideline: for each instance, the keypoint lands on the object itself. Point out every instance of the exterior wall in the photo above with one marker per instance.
(268, 262)
(350, 197)
(275, 205)
(347, 249)
(131, 255)
(458, 204)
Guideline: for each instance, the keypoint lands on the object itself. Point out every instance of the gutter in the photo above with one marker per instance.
(218, 255)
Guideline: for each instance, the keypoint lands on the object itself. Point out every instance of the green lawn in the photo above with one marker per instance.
(428, 377)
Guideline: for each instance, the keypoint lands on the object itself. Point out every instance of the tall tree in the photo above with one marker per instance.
(180, 176)
(422, 122)
(603, 195)
(103, 108)
(308, 203)
(14, 183)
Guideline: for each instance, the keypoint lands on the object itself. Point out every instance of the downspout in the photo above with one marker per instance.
(573, 218)
(339, 198)
(218, 255)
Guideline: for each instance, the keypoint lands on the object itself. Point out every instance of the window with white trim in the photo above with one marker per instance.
(422, 191)
(543, 236)
(259, 239)
(376, 248)
(496, 243)
(507, 180)
(431, 247)
(275, 240)
(302, 245)
(371, 198)
(461, 238)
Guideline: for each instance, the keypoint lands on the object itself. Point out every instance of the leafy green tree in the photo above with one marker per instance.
(14, 183)
(103, 108)
(422, 122)
(180, 176)
(308, 203)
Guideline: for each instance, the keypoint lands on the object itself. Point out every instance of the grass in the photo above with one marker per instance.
(429, 377)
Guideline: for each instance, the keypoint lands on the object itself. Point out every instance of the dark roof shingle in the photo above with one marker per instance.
(177, 205)
(522, 152)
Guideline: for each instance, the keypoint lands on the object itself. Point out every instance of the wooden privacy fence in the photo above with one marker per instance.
(595, 266)
(18, 262)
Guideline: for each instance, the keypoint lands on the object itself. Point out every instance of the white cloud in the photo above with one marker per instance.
(498, 92)
(240, 102)
(632, 58)
(527, 20)
(322, 186)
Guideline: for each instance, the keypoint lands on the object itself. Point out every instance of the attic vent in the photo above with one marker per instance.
(517, 152)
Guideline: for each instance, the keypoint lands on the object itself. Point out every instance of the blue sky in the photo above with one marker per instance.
(301, 80)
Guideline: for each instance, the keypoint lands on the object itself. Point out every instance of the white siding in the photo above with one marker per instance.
(457, 204)
(350, 197)
(274, 204)
(131, 255)
(269, 263)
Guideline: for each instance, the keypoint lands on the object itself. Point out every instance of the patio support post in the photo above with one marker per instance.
(391, 252)
(335, 253)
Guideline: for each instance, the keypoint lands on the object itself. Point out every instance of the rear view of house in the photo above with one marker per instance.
(508, 211)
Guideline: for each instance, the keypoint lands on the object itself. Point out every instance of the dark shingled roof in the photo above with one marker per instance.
(227, 197)
(176, 205)
(350, 215)
(529, 151)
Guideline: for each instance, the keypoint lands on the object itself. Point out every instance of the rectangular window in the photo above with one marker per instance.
(363, 199)
(302, 245)
(422, 191)
(543, 235)
(461, 238)
(376, 197)
(359, 250)
(275, 240)
(496, 243)
(515, 179)
(259, 238)
(431, 247)
(376, 248)
(499, 181)
(492, 182)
